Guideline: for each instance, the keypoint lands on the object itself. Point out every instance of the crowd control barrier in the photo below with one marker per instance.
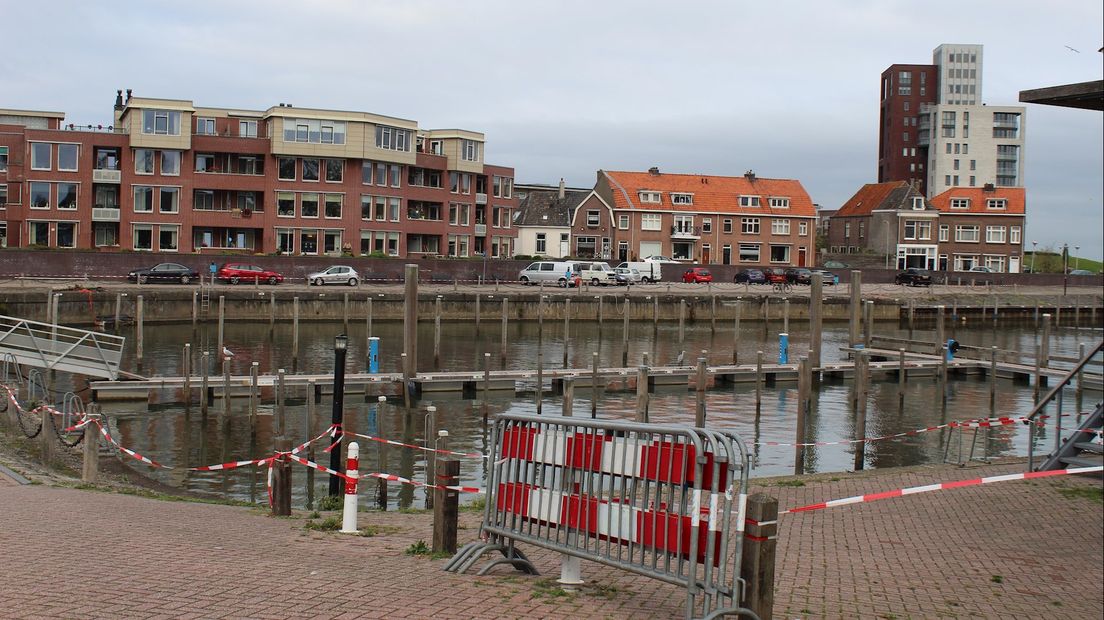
(665, 502)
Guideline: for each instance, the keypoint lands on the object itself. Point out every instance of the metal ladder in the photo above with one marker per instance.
(1080, 449)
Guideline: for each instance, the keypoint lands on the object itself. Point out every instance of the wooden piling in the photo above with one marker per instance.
(540, 378)
(431, 461)
(594, 384)
(568, 396)
(816, 320)
(295, 329)
(699, 388)
(271, 313)
(446, 506)
(624, 333)
(786, 315)
(655, 313)
(682, 321)
(758, 555)
(437, 333)
(226, 387)
(642, 394)
(712, 314)
(186, 372)
(410, 322)
(486, 384)
(868, 322)
(862, 387)
(855, 308)
(567, 329)
(940, 328)
(345, 312)
(505, 325)
(205, 391)
(804, 381)
(195, 308)
(902, 373)
(368, 320)
(478, 313)
(254, 393)
(736, 332)
(281, 480)
(993, 381)
(281, 397)
(140, 333)
(221, 325)
(1044, 343)
(90, 467)
(758, 379)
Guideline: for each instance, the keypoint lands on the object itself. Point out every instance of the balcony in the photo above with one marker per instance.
(105, 214)
(480, 230)
(480, 199)
(685, 232)
(106, 175)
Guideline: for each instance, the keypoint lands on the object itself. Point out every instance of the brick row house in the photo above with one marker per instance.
(961, 228)
(170, 176)
(696, 218)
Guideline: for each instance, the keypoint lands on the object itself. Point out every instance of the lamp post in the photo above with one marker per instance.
(1077, 259)
(1065, 268)
(341, 345)
(1034, 245)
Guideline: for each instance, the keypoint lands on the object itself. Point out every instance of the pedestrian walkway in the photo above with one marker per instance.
(1010, 549)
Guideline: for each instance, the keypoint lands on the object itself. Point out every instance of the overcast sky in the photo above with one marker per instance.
(562, 89)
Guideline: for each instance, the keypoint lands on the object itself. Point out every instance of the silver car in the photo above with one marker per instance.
(338, 274)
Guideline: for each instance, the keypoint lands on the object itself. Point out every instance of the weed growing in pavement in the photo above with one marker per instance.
(548, 587)
(791, 483)
(997, 579)
(603, 591)
(314, 515)
(330, 524)
(476, 505)
(331, 502)
(1093, 494)
(413, 511)
(369, 531)
(418, 548)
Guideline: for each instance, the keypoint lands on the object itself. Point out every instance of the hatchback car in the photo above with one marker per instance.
(338, 274)
(697, 275)
(826, 277)
(626, 275)
(1081, 272)
(241, 272)
(751, 276)
(164, 272)
(914, 277)
(981, 269)
(798, 275)
(776, 276)
(835, 264)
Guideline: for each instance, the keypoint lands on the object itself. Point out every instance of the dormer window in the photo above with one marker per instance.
(996, 203)
(960, 203)
(917, 203)
(650, 197)
(682, 199)
(749, 201)
(780, 203)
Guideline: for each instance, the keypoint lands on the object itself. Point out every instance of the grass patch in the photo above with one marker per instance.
(791, 483)
(997, 579)
(549, 588)
(421, 548)
(330, 524)
(314, 515)
(413, 511)
(602, 590)
(476, 505)
(1089, 493)
(331, 502)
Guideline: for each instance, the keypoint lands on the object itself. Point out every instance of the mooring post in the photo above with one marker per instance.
(940, 328)
(478, 314)
(601, 313)
(855, 308)
(758, 379)
(345, 312)
(195, 308)
(655, 314)
(410, 324)
(254, 392)
(758, 556)
(736, 332)
(868, 322)
(712, 314)
(642, 394)
(699, 389)
(281, 480)
(786, 314)
(119, 311)
(271, 313)
(486, 384)
(430, 434)
(568, 396)
(816, 321)
(993, 381)
(141, 331)
(911, 315)
(281, 395)
(205, 391)
(1080, 376)
(368, 318)
(381, 484)
(505, 325)
(186, 372)
(624, 332)
(90, 467)
(1044, 343)
(221, 325)
(436, 336)
(446, 507)
(804, 379)
(682, 321)
(540, 377)
(594, 384)
(295, 329)
(226, 386)
(862, 381)
(567, 329)
(902, 373)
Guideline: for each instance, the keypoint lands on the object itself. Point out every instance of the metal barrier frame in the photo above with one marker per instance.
(56, 347)
(628, 510)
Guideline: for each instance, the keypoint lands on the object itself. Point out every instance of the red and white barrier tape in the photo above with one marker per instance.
(871, 497)
(982, 423)
(415, 483)
(468, 455)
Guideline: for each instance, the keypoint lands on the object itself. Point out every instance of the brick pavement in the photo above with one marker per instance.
(994, 551)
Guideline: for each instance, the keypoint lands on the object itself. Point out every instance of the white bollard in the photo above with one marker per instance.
(349, 516)
(570, 573)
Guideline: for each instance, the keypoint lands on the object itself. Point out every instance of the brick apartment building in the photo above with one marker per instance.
(981, 227)
(704, 219)
(169, 176)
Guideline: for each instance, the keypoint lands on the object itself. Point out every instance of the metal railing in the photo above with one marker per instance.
(55, 347)
(1055, 395)
(658, 501)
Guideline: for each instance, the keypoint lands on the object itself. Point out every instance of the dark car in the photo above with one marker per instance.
(697, 275)
(776, 276)
(798, 275)
(242, 272)
(164, 272)
(826, 277)
(751, 276)
(914, 277)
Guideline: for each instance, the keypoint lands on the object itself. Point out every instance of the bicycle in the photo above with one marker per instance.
(783, 287)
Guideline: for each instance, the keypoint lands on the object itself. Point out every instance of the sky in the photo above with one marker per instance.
(562, 89)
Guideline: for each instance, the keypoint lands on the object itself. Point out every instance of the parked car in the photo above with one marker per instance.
(627, 275)
(547, 271)
(835, 264)
(596, 273)
(697, 275)
(776, 276)
(751, 276)
(650, 271)
(826, 277)
(798, 275)
(914, 277)
(981, 269)
(338, 274)
(238, 272)
(660, 259)
(164, 272)
(1081, 272)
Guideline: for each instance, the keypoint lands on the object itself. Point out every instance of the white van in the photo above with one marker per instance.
(595, 273)
(650, 271)
(551, 272)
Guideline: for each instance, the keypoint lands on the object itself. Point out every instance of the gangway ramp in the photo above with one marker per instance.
(56, 347)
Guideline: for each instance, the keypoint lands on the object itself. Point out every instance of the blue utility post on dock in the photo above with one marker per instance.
(373, 354)
(783, 348)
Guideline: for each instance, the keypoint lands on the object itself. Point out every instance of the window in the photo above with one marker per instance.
(780, 227)
(40, 195)
(749, 201)
(960, 203)
(749, 253)
(650, 221)
(726, 226)
(393, 138)
(1014, 235)
(682, 199)
(623, 222)
(67, 157)
(542, 243)
(944, 233)
(286, 167)
(995, 262)
(143, 199)
(847, 229)
(310, 169)
(3, 195)
(334, 170)
(780, 203)
(333, 206)
(67, 195)
(316, 131)
(170, 200)
(143, 161)
(204, 162)
(247, 129)
(779, 253)
(967, 234)
(308, 204)
(749, 225)
(143, 237)
(168, 237)
(707, 225)
(803, 229)
(948, 148)
(973, 181)
(503, 187)
(285, 241)
(40, 156)
(917, 203)
(105, 234)
(954, 165)
(973, 164)
(996, 203)
(469, 150)
(995, 234)
(862, 229)
(308, 241)
(39, 233)
(250, 165)
(163, 122)
(593, 218)
(917, 229)
(3, 159)
(247, 201)
(205, 126)
(170, 163)
(285, 204)
(651, 197)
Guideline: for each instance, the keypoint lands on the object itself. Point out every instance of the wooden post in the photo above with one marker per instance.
(446, 506)
(699, 388)
(221, 325)
(540, 319)
(1080, 375)
(431, 461)
(804, 379)
(295, 329)
(141, 331)
(254, 393)
(568, 396)
(758, 379)
(911, 315)
(437, 333)
(478, 314)
(594, 385)
(993, 381)
(271, 313)
(345, 312)
(655, 313)
(736, 332)
(682, 321)
(862, 381)
(712, 314)
(786, 315)
(868, 322)
(226, 387)
(642, 394)
(940, 328)
(624, 333)
(757, 559)
(486, 384)
(90, 467)
(1044, 346)
(205, 394)
(505, 325)
(186, 372)
(368, 319)
(567, 329)
(816, 321)
(281, 413)
(601, 314)
(902, 373)
(856, 307)
(281, 480)
(540, 378)
(410, 322)
(195, 308)
(766, 301)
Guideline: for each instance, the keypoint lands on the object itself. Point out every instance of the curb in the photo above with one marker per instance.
(13, 475)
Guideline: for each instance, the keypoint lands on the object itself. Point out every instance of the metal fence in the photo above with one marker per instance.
(665, 502)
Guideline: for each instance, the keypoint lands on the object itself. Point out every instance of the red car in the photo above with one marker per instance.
(697, 275)
(241, 272)
(776, 276)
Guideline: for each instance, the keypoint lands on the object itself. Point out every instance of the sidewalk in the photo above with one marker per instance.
(1009, 549)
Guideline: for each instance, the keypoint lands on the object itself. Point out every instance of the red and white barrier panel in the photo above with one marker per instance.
(860, 499)
(390, 442)
(617, 522)
(659, 461)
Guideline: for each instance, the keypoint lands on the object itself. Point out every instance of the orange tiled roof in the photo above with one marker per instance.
(1016, 198)
(711, 194)
(872, 196)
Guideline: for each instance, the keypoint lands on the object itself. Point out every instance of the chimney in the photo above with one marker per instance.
(129, 91)
(118, 100)
(561, 188)
(750, 175)
(654, 171)
(989, 187)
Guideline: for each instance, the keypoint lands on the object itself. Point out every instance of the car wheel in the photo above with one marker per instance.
(142, 279)
(184, 279)
(235, 280)
(318, 281)
(646, 280)
(525, 280)
(353, 282)
(562, 282)
(594, 282)
(272, 280)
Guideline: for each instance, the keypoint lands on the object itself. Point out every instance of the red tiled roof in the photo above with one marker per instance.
(869, 197)
(711, 194)
(1016, 199)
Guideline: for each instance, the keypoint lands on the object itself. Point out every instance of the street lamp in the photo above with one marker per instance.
(1034, 245)
(341, 345)
(1077, 258)
(1065, 268)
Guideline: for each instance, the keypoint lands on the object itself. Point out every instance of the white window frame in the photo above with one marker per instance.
(171, 172)
(651, 221)
(205, 126)
(650, 197)
(779, 203)
(780, 226)
(749, 226)
(36, 159)
(247, 129)
(134, 237)
(750, 201)
(622, 221)
(803, 229)
(168, 228)
(76, 156)
(740, 253)
(996, 234)
(962, 231)
(1014, 235)
(682, 198)
(960, 203)
(997, 204)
